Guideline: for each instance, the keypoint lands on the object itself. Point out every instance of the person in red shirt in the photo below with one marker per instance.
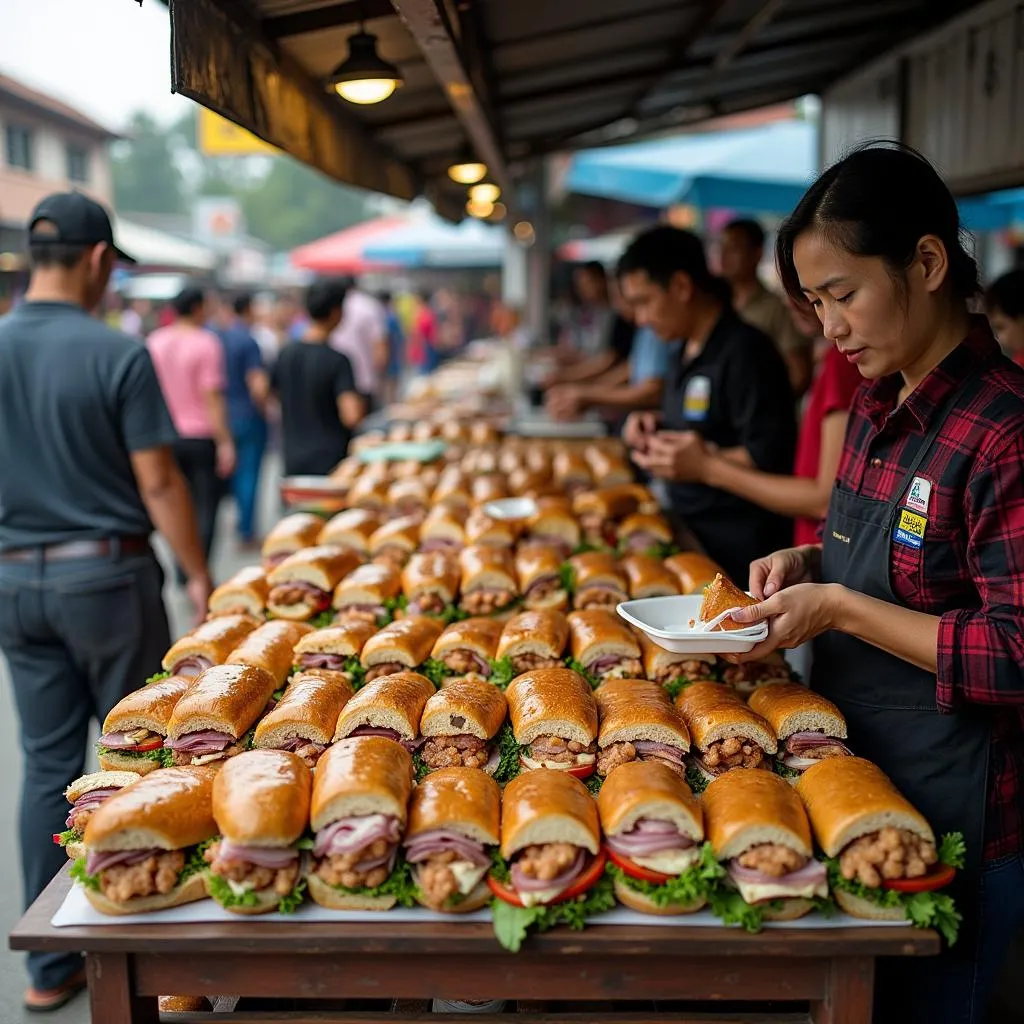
(915, 596)
(1004, 303)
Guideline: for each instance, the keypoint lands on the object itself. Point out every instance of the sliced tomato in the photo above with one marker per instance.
(938, 878)
(56, 838)
(587, 880)
(583, 771)
(146, 745)
(635, 870)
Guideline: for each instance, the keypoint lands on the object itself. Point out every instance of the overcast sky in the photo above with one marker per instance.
(108, 58)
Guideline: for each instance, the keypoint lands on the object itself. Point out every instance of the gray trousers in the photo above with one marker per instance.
(78, 635)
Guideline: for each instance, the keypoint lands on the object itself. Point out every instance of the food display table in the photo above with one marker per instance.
(129, 965)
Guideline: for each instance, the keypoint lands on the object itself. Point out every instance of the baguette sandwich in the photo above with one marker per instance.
(336, 648)
(533, 639)
(488, 486)
(294, 532)
(553, 526)
(610, 469)
(402, 646)
(270, 647)
(442, 530)
(460, 724)
(85, 795)
(369, 593)
(490, 533)
(603, 646)
(488, 582)
(207, 645)
(369, 493)
(430, 583)
(539, 572)
(600, 511)
(261, 806)
(639, 723)
(244, 594)
(747, 678)
(301, 587)
(393, 544)
(598, 581)
(466, 648)
(671, 669)
(642, 533)
(351, 529)
(408, 497)
(648, 577)
(135, 730)
(390, 707)
(694, 571)
(571, 472)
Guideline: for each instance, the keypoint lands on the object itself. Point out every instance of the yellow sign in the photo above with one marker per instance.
(913, 524)
(221, 137)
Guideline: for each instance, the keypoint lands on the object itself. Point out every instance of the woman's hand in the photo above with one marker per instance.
(779, 570)
(675, 455)
(795, 615)
(639, 428)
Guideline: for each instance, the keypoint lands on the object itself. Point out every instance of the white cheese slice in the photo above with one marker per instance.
(531, 899)
(239, 888)
(752, 892)
(467, 875)
(581, 759)
(206, 758)
(669, 862)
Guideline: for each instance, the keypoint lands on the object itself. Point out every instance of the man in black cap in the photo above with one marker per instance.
(86, 473)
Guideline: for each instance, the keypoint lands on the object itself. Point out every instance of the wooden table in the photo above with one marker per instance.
(129, 965)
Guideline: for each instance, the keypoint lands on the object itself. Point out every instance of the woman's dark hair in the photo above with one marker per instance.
(188, 300)
(1006, 295)
(880, 200)
(664, 251)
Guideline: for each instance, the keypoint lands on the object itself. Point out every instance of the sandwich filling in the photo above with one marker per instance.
(432, 544)
(598, 595)
(123, 875)
(640, 750)
(323, 659)
(459, 751)
(299, 595)
(769, 871)
(561, 546)
(203, 746)
(387, 668)
(244, 868)
(274, 560)
(595, 527)
(614, 666)
(542, 873)
(694, 669)
(531, 661)
(430, 603)
(393, 555)
(558, 752)
(753, 674)
(887, 855)
(193, 665)
(543, 588)
(643, 540)
(462, 661)
(656, 845)
(732, 752)
(309, 751)
(132, 741)
(362, 612)
(81, 811)
(388, 734)
(486, 600)
(802, 749)
(447, 866)
(358, 851)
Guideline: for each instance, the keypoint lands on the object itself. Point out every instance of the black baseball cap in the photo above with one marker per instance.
(77, 220)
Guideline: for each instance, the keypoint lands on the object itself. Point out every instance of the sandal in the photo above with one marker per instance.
(46, 1000)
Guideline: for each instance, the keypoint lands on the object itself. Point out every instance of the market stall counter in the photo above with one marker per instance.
(829, 970)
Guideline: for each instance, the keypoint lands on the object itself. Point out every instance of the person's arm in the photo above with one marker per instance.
(212, 383)
(584, 369)
(632, 396)
(799, 367)
(351, 405)
(257, 380)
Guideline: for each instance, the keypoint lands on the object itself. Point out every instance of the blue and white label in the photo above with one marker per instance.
(910, 529)
(697, 398)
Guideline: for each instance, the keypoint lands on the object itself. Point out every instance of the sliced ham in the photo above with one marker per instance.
(295, 591)
(798, 742)
(273, 857)
(810, 874)
(560, 882)
(441, 840)
(642, 541)
(100, 860)
(205, 741)
(121, 740)
(648, 748)
(605, 663)
(193, 665)
(350, 835)
(89, 802)
(542, 585)
(321, 659)
(376, 730)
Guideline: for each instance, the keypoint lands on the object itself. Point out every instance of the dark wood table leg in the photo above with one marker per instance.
(111, 999)
(849, 992)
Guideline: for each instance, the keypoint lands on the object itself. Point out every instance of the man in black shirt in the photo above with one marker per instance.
(320, 406)
(730, 386)
(86, 472)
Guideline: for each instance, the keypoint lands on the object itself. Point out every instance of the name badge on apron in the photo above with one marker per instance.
(697, 398)
(910, 529)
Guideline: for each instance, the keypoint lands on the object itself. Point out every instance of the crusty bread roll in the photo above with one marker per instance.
(261, 798)
(790, 708)
(599, 632)
(694, 571)
(369, 492)
(345, 639)
(649, 578)
(714, 712)
(309, 709)
(636, 900)
(570, 467)
(443, 523)
(658, 662)
(402, 533)
(543, 632)
(648, 789)
(361, 775)
(99, 780)
(352, 528)
(487, 568)
(323, 566)
(598, 569)
(479, 635)
(656, 526)
(552, 701)
(149, 707)
(537, 564)
(213, 640)
(245, 593)
(490, 487)
(170, 810)
(225, 698)
(295, 531)
(407, 495)
(368, 584)
(388, 702)
(609, 468)
(270, 647)
(720, 596)
(495, 533)
(407, 641)
(554, 519)
(464, 800)
(610, 503)
(548, 806)
(849, 797)
(434, 572)
(746, 808)
(634, 709)
(464, 706)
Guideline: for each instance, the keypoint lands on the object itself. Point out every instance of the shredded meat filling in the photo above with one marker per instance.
(559, 749)
(430, 603)
(770, 859)
(614, 755)
(545, 588)
(734, 752)
(340, 868)
(154, 875)
(463, 661)
(391, 556)
(436, 881)
(180, 757)
(240, 871)
(455, 751)
(548, 861)
(825, 751)
(628, 668)
(385, 668)
(687, 669)
(888, 854)
(597, 597)
(289, 593)
(532, 662)
(483, 602)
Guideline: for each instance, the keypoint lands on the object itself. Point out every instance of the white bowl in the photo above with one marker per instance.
(666, 620)
(511, 508)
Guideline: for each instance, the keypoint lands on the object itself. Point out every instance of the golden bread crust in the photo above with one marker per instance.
(542, 626)
(598, 626)
(402, 695)
(481, 704)
(214, 639)
(476, 634)
(270, 647)
(311, 705)
(707, 706)
(694, 571)
(551, 694)
(409, 640)
(540, 793)
(454, 797)
(154, 702)
(233, 696)
(634, 784)
(261, 798)
(628, 705)
(369, 766)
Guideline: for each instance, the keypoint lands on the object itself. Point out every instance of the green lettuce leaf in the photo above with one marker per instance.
(508, 750)
(163, 756)
(80, 875)
(450, 614)
(290, 903)
(157, 676)
(785, 771)
(420, 766)
(696, 882)
(578, 667)
(398, 884)
(436, 671)
(676, 686)
(195, 861)
(305, 843)
(953, 850)
(502, 672)
(662, 551)
(226, 896)
(278, 695)
(594, 783)
(567, 574)
(356, 672)
(585, 547)
(72, 835)
(730, 907)
(323, 620)
(695, 779)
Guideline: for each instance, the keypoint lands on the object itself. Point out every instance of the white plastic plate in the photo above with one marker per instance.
(666, 620)
(511, 508)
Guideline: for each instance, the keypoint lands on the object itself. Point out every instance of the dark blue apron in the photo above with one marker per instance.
(938, 761)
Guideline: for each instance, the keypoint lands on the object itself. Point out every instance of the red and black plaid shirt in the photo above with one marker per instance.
(970, 571)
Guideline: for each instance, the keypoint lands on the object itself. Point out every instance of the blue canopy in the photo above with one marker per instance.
(994, 211)
(433, 242)
(754, 170)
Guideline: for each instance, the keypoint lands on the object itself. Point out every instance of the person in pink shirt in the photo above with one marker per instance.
(189, 362)
(362, 335)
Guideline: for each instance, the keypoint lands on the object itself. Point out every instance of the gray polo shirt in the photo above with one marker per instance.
(76, 397)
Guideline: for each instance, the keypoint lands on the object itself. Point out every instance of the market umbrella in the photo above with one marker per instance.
(343, 252)
(433, 242)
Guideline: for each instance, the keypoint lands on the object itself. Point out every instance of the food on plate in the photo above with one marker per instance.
(360, 798)
(465, 648)
(603, 646)
(430, 582)
(134, 732)
(369, 593)
(408, 497)
(884, 863)
(654, 834)
(395, 541)
(648, 577)
(294, 532)
(261, 806)
(600, 511)
(350, 529)
(401, 646)
(305, 718)
(597, 581)
(244, 594)
(270, 647)
(390, 707)
(553, 526)
(694, 571)
(720, 596)
(759, 832)
(554, 720)
(460, 724)
(370, 493)
(301, 587)
(212, 720)
(639, 723)
(533, 639)
(143, 844)
(551, 869)
(724, 732)
(208, 644)
(571, 472)
(672, 669)
(492, 533)
(488, 580)
(642, 533)
(442, 530)
(85, 795)
(336, 648)
(539, 571)
(745, 679)
(809, 727)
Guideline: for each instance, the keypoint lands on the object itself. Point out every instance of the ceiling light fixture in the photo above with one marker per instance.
(485, 192)
(364, 77)
(478, 208)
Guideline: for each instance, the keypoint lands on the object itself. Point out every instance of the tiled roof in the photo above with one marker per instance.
(13, 89)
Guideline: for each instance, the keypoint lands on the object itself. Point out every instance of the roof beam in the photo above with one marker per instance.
(431, 30)
(742, 39)
(349, 13)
